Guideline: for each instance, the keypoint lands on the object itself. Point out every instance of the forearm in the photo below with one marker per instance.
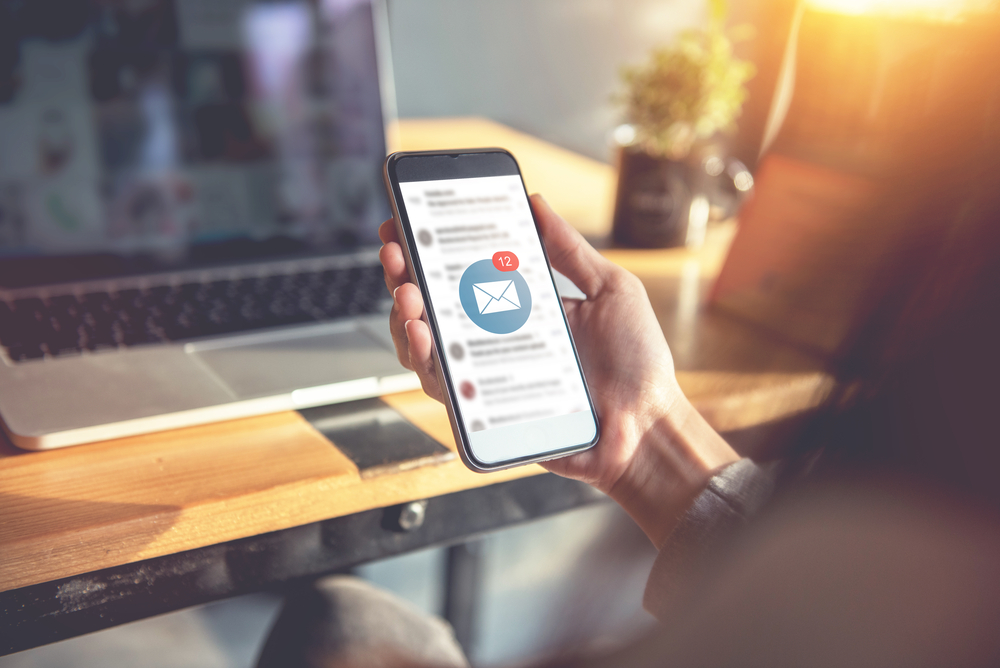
(675, 458)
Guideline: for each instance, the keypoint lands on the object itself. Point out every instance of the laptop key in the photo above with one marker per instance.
(220, 318)
(155, 333)
(96, 334)
(31, 322)
(8, 331)
(65, 317)
(66, 308)
(21, 353)
(127, 300)
(250, 309)
(63, 349)
(99, 304)
(159, 294)
(62, 341)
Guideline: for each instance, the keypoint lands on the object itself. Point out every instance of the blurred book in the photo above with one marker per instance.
(807, 253)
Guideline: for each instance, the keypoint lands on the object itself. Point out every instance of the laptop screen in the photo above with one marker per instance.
(149, 135)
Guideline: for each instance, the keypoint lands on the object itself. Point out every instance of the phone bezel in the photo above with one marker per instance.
(441, 361)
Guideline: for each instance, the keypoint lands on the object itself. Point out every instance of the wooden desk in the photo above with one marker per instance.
(79, 510)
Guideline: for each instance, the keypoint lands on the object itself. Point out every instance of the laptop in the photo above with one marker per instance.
(190, 192)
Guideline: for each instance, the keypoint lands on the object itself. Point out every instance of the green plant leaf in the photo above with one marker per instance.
(687, 91)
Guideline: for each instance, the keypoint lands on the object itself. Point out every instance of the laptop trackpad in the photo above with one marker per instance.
(259, 366)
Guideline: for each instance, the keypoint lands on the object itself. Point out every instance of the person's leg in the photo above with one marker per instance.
(344, 621)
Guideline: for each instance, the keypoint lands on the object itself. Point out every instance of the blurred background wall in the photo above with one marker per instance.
(551, 67)
(547, 67)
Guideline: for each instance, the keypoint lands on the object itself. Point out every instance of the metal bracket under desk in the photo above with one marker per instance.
(52, 611)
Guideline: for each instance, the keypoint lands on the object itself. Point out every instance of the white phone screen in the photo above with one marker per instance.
(519, 389)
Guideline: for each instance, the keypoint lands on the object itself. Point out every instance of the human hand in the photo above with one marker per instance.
(646, 422)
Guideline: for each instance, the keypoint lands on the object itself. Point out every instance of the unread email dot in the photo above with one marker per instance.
(467, 389)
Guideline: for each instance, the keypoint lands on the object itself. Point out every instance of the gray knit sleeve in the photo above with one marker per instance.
(733, 495)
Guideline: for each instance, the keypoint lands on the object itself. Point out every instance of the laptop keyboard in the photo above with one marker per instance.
(69, 324)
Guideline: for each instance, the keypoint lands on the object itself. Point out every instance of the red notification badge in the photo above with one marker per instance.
(505, 261)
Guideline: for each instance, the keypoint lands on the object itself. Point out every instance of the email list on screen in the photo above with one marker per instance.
(498, 314)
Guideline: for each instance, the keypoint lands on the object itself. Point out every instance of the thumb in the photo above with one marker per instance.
(568, 251)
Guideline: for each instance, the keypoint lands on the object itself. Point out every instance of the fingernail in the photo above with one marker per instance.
(395, 291)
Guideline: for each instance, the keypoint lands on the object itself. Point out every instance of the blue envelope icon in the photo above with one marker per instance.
(496, 297)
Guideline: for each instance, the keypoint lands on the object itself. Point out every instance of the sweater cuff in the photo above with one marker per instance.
(732, 496)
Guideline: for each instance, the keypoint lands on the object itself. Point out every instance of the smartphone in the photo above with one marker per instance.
(513, 383)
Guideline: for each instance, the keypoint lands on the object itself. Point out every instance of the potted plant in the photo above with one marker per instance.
(676, 104)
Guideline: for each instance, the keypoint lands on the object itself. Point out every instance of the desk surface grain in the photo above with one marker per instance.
(76, 510)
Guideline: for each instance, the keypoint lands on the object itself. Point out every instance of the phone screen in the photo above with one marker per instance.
(515, 377)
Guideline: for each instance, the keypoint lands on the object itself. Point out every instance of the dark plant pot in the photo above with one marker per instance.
(653, 203)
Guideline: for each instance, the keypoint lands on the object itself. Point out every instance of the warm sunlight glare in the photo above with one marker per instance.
(939, 10)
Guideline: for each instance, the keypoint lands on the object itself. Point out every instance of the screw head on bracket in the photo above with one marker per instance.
(411, 515)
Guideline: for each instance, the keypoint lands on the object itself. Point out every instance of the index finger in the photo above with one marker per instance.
(387, 231)
(568, 251)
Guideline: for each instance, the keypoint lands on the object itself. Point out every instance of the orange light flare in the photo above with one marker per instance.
(933, 10)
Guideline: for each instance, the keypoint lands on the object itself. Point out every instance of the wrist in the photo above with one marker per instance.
(676, 455)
